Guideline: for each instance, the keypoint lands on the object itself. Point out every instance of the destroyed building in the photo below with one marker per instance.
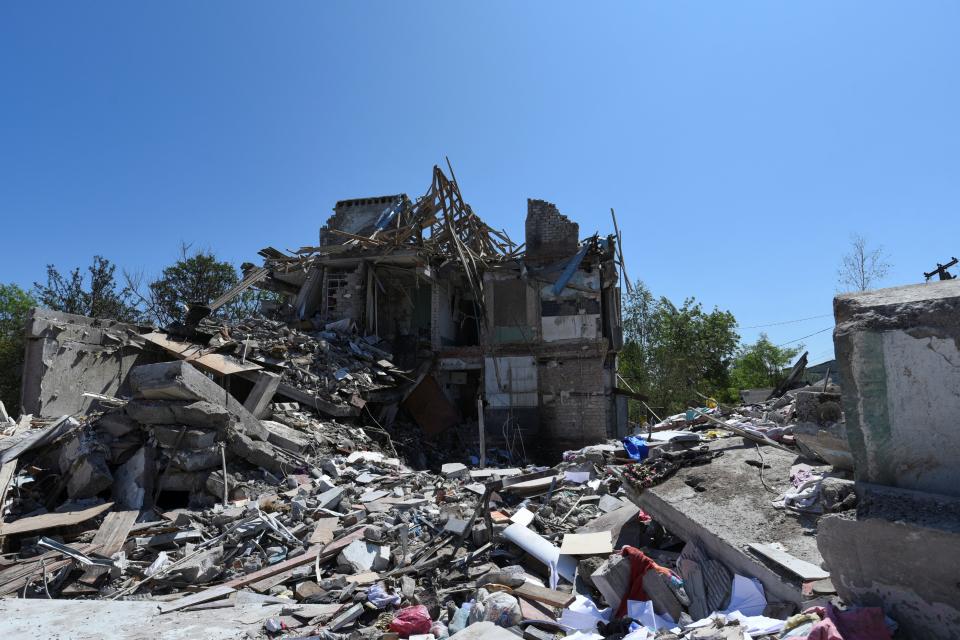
(360, 466)
(532, 331)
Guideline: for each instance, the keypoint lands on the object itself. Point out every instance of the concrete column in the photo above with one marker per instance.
(899, 353)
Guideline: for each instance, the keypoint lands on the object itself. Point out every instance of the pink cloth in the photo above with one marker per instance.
(865, 623)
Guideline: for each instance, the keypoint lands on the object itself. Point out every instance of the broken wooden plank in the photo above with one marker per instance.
(12, 448)
(275, 571)
(213, 362)
(550, 597)
(13, 579)
(110, 537)
(806, 570)
(52, 520)
(324, 533)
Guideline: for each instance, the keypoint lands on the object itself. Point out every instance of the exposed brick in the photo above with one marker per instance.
(550, 235)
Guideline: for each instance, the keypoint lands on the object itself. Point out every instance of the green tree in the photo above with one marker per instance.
(101, 299)
(671, 353)
(197, 277)
(760, 365)
(691, 352)
(14, 305)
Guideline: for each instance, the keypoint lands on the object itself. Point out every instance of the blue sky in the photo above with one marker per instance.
(740, 143)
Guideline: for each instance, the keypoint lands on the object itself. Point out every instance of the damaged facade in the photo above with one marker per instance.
(306, 476)
(533, 333)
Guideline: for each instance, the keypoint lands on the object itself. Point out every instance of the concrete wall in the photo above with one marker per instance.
(512, 309)
(902, 553)
(356, 216)
(574, 314)
(67, 355)
(899, 355)
(898, 351)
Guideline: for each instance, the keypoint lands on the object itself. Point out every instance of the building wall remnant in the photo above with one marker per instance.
(899, 355)
(577, 405)
(67, 355)
(550, 235)
(343, 293)
(540, 344)
(357, 217)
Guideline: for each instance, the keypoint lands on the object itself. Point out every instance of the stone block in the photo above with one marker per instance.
(181, 381)
(132, 480)
(83, 461)
(362, 556)
(187, 460)
(330, 499)
(454, 470)
(202, 414)
(193, 438)
(286, 437)
(201, 568)
(307, 588)
(88, 476)
(899, 355)
(150, 411)
(612, 579)
(901, 552)
(117, 423)
(256, 452)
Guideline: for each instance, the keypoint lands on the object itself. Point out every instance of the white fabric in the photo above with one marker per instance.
(640, 633)
(583, 614)
(642, 611)
(747, 597)
(757, 624)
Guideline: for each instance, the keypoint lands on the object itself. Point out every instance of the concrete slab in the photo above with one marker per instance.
(902, 553)
(67, 355)
(735, 511)
(899, 353)
(27, 619)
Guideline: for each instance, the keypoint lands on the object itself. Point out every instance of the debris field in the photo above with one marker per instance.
(427, 439)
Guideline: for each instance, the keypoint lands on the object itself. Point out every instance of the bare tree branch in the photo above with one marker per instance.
(862, 268)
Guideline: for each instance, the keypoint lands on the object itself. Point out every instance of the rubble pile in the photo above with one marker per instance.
(357, 467)
(330, 361)
(326, 533)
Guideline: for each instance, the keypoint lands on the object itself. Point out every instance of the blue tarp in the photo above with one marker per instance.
(636, 447)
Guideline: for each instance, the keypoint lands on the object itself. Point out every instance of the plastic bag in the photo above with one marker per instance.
(378, 597)
(411, 621)
(502, 609)
(439, 630)
(636, 447)
(461, 618)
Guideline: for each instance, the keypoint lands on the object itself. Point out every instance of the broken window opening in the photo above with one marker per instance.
(337, 284)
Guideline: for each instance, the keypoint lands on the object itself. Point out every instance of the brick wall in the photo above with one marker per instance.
(343, 293)
(550, 235)
(583, 414)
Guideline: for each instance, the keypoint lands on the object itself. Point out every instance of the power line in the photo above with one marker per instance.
(775, 324)
(805, 337)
